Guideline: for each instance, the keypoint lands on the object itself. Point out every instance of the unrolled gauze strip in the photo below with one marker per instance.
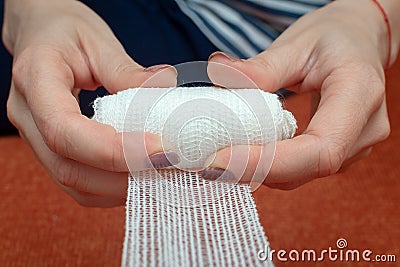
(173, 216)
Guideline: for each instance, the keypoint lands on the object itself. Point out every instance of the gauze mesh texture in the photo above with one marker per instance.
(174, 217)
(223, 230)
(197, 121)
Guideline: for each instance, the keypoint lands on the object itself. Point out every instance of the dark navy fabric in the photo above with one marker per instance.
(5, 80)
(152, 32)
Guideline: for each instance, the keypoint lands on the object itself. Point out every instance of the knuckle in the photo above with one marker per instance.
(28, 57)
(68, 175)
(117, 157)
(264, 63)
(55, 129)
(384, 131)
(19, 70)
(65, 174)
(15, 113)
(12, 114)
(331, 158)
(122, 67)
(21, 63)
(113, 157)
(379, 93)
(51, 128)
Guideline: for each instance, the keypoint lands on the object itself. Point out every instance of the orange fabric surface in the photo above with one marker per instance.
(41, 226)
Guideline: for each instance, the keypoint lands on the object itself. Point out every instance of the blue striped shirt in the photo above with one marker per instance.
(244, 28)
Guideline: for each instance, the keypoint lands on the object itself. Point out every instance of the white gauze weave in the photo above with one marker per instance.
(174, 217)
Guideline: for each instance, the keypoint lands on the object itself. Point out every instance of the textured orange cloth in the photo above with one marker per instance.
(41, 226)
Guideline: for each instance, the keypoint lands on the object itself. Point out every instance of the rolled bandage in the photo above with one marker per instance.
(173, 216)
(198, 121)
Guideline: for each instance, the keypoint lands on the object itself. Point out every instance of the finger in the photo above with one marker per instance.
(289, 185)
(67, 173)
(91, 200)
(288, 170)
(376, 130)
(341, 117)
(256, 168)
(331, 134)
(240, 160)
(277, 67)
(64, 129)
(116, 70)
(242, 163)
(83, 178)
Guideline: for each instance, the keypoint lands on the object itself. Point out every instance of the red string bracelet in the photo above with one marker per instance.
(389, 33)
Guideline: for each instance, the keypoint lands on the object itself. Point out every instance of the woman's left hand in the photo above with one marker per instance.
(338, 51)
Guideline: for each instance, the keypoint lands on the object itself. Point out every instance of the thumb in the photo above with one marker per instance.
(270, 70)
(241, 163)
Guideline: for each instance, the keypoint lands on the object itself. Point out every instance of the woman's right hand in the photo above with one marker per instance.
(59, 47)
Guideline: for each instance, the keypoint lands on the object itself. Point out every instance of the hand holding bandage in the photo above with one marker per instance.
(184, 216)
(343, 61)
(59, 46)
(195, 122)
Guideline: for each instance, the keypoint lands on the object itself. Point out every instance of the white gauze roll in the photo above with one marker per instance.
(198, 121)
(174, 217)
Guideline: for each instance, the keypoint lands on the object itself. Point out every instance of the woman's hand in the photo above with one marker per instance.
(339, 52)
(58, 47)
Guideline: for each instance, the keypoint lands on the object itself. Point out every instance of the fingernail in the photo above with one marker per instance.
(164, 159)
(156, 68)
(224, 55)
(217, 173)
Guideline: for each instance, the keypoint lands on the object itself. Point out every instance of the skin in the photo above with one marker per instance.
(59, 47)
(341, 60)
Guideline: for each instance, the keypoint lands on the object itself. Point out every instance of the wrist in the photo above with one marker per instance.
(392, 9)
(371, 16)
(15, 12)
(19, 15)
